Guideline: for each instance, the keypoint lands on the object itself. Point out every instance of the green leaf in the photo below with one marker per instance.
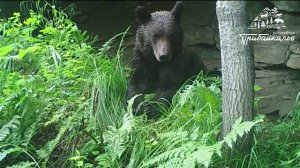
(237, 122)
(240, 128)
(228, 141)
(79, 163)
(49, 30)
(29, 50)
(5, 50)
(4, 153)
(195, 134)
(298, 154)
(257, 88)
(203, 155)
(218, 150)
(2, 156)
(130, 103)
(12, 124)
(75, 158)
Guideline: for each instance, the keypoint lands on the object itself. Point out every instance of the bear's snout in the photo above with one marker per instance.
(162, 50)
(164, 58)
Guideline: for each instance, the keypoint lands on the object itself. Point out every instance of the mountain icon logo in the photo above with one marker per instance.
(268, 19)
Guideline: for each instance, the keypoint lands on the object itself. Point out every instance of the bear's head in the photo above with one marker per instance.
(160, 33)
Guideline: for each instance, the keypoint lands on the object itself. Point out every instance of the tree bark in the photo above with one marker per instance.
(237, 67)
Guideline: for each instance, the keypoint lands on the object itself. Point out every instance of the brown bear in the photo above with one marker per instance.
(161, 64)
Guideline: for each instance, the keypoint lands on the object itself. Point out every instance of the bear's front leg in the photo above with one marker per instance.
(137, 85)
(168, 83)
(164, 97)
(136, 89)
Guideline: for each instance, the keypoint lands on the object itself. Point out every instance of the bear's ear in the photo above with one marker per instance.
(142, 14)
(177, 10)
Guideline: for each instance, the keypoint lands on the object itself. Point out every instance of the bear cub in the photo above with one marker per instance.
(161, 64)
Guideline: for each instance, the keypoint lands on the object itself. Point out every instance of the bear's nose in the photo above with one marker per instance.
(164, 58)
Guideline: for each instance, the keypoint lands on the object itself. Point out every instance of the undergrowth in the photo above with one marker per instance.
(61, 105)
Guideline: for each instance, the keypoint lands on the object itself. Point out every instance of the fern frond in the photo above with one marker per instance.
(22, 165)
(194, 151)
(47, 149)
(169, 155)
(203, 155)
(186, 94)
(6, 128)
(117, 138)
(239, 129)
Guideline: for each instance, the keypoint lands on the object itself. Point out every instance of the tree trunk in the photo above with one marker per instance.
(237, 67)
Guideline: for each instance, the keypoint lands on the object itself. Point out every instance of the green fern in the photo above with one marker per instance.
(23, 165)
(186, 94)
(6, 128)
(5, 131)
(69, 123)
(116, 139)
(193, 151)
(239, 129)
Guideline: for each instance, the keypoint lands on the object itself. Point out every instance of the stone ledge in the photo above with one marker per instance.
(279, 89)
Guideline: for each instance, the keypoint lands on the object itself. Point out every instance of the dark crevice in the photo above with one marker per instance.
(263, 66)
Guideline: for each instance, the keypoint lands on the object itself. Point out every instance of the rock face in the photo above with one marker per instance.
(294, 61)
(277, 63)
(289, 6)
(279, 90)
(295, 48)
(204, 35)
(270, 53)
(294, 57)
(292, 22)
